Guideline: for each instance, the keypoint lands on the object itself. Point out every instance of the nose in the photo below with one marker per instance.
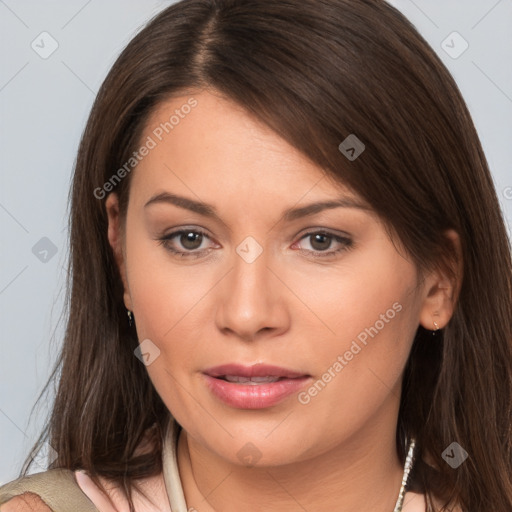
(252, 300)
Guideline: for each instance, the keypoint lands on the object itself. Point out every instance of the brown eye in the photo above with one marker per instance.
(187, 243)
(322, 244)
(191, 240)
(320, 241)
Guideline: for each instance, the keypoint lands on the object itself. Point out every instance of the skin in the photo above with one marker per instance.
(286, 308)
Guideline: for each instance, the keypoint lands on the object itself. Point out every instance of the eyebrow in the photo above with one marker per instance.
(289, 215)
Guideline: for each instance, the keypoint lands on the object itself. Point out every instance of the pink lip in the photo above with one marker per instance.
(256, 370)
(247, 396)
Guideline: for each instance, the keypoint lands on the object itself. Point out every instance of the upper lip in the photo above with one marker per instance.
(255, 370)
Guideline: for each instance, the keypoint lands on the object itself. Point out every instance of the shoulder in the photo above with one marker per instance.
(27, 502)
(44, 491)
(149, 495)
(414, 502)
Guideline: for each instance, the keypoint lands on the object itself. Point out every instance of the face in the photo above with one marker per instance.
(224, 262)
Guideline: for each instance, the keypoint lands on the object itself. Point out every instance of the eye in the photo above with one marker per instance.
(186, 242)
(321, 241)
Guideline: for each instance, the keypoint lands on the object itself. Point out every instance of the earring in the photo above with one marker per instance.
(434, 332)
(130, 317)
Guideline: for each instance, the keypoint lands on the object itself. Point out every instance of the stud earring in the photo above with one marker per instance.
(434, 332)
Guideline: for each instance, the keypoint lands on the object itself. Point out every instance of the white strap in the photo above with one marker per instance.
(170, 468)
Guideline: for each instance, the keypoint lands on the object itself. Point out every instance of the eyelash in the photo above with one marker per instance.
(347, 244)
(165, 242)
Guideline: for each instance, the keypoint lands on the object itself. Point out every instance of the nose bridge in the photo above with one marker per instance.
(251, 270)
(249, 280)
(251, 300)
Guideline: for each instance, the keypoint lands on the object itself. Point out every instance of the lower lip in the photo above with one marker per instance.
(254, 396)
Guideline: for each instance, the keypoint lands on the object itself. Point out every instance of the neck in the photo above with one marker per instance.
(362, 472)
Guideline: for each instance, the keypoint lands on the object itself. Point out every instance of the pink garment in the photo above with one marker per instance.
(166, 488)
(94, 494)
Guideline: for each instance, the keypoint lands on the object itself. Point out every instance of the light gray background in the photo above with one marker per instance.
(44, 104)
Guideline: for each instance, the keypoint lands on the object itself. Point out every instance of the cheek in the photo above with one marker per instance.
(368, 293)
(164, 293)
(369, 315)
(166, 302)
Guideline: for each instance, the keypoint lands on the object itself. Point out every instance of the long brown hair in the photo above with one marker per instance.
(314, 71)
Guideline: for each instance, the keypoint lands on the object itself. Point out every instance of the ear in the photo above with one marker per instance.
(442, 290)
(116, 241)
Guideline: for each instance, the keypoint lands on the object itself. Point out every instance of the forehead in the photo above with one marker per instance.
(205, 144)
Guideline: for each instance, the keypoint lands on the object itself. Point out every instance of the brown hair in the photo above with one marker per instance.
(314, 71)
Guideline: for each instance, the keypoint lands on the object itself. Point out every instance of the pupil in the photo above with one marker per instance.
(189, 240)
(322, 242)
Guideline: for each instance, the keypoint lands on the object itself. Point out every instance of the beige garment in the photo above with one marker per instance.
(59, 489)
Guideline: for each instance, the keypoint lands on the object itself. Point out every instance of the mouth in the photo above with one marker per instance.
(252, 372)
(253, 387)
(252, 381)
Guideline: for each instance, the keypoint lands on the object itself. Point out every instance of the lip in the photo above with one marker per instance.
(248, 396)
(255, 370)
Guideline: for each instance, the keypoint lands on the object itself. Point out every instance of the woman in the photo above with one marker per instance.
(290, 281)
